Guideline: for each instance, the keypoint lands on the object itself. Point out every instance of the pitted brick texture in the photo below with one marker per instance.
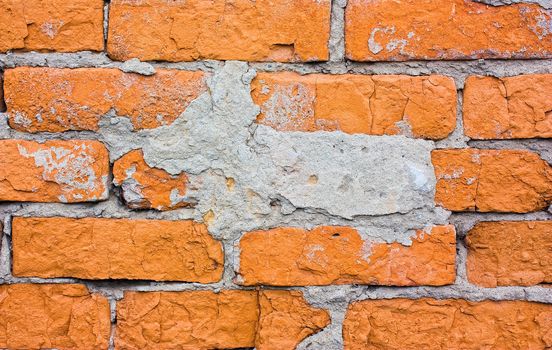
(93, 248)
(510, 253)
(264, 30)
(339, 255)
(61, 316)
(399, 30)
(51, 25)
(53, 171)
(357, 104)
(54, 100)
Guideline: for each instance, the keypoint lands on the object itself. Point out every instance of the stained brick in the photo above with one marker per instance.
(510, 253)
(51, 25)
(445, 324)
(399, 30)
(262, 30)
(508, 108)
(55, 99)
(60, 316)
(95, 248)
(492, 180)
(339, 255)
(377, 105)
(53, 171)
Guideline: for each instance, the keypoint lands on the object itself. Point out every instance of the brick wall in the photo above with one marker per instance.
(293, 174)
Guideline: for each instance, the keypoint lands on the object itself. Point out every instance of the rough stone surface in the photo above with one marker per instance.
(339, 255)
(445, 324)
(492, 180)
(206, 320)
(510, 253)
(286, 319)
(144, 187)
(54, 100)
(508, 108)
(94, 248)
(45, 316)
(135, 66)
(377, 105)
(53, 171)
(288, 30)
(397, 30)
(51, 25)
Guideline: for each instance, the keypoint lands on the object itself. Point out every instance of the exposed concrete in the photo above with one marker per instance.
(135, 66)
(547, 4)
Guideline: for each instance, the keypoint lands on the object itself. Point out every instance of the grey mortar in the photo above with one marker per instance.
(266, 209)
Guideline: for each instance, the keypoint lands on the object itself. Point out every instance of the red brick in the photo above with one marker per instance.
(447, 324)
(508, 108)
(51, 25)
(53, 171)
(55, 99)
(95, 248)
(510, 253)
(262, 30)
(399, 30)
(492, 180)
(376, 105)
(339, 255)
(61, 316)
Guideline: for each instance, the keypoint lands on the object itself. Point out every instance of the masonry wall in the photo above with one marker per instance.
(306, 174)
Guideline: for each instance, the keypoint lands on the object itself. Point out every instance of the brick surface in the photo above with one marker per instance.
(377, 105)
(206, 320)
(398, 30)
(95, 248)
(263, 30)
(508, 108)
(510, 253)
(492, 180)
(144, 187)
(51, 25)
(447, 324)
(339, 255)
(53, 171)
(54, 99)
(60, 316)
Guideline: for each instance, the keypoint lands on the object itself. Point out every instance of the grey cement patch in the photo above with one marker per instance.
(547, 4)
(135, 66)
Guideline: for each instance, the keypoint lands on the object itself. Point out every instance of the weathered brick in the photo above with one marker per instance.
(386, 104)
(95, 248)
(447, 324)
(54, 99)
(262, 30)
(53, 171)
(144, 187)
(510, 253)
(51, 25)
(339, 255)
(492, 180)
(47, 316)
(508, 108)
(398, 30)
(205, 320)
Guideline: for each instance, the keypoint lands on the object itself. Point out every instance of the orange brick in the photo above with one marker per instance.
(276, 320)
(377, 105)
(55, 100)
(447, 324)
(51, 25)
(61, 316)
(95, 248)
(510, 253)
(339, 255)
(399, 30)
(262, 30)
(144, 187)
(53, 171)
(492, 180)
(508, 108)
